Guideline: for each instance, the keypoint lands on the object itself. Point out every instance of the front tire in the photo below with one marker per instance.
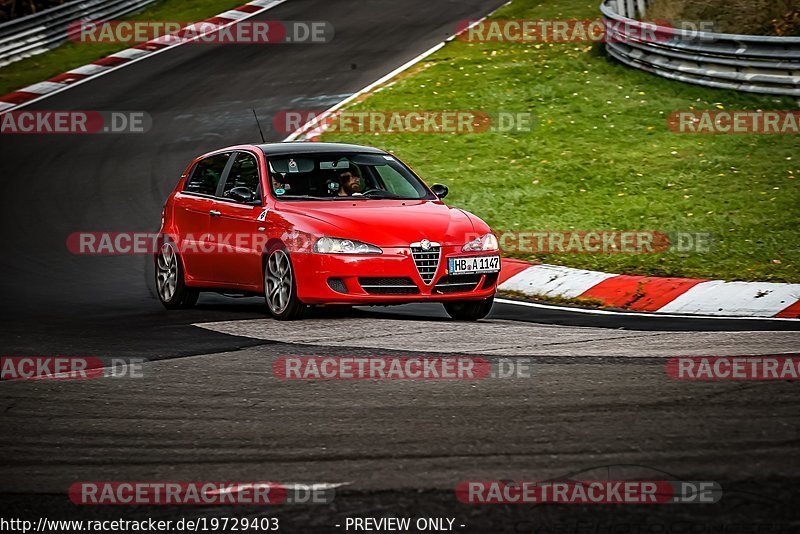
(280, 287)
(170, 283)
(469, 310)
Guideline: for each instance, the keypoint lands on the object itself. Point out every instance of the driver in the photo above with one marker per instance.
(280, 184)
(349, 182)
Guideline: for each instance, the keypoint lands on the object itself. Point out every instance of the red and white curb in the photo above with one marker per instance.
(191, 32)
(674, 296)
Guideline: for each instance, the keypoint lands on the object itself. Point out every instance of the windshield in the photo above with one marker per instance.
(339, 176)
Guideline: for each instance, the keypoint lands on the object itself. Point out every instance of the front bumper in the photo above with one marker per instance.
(357, 279)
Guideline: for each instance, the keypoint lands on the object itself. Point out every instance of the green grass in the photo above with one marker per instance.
(71, 55)
(601, 156)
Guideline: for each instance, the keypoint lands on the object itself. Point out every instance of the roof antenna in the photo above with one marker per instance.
(259, 126)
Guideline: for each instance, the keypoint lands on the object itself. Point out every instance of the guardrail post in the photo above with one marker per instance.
(630, 8)
(619, 7)
(642, 8)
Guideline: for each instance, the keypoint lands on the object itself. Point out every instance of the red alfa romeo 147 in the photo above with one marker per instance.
(309, 224)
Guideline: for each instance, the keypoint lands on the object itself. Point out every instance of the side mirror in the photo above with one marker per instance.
(240, 194)
(440, 190)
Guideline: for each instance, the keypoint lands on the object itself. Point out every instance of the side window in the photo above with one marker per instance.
(395, 182)
(244, 173)
(206, 175)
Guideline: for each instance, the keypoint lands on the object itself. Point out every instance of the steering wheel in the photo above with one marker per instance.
(373, 190)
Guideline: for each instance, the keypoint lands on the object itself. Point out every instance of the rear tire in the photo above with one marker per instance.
(170, 283)
(469, 310)
(280, 287)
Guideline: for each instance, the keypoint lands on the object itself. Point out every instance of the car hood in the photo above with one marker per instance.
(385, 223)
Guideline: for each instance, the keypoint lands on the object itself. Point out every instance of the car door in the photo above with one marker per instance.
(194, 211)
(240, 226)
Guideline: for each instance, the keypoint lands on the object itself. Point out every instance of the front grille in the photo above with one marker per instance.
(389, 286)
(427, 261)
(457, 283)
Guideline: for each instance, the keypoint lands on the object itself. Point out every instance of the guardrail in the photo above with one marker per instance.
(752, 63)
(37, 33)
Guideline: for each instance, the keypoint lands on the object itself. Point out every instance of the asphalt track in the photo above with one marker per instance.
(209, 408)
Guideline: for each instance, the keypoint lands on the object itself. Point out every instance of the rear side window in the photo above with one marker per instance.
(207, 174)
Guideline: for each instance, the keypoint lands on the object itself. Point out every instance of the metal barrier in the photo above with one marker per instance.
(37, 33)
(752, 63)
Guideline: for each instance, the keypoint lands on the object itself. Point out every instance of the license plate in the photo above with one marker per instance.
(473, 265)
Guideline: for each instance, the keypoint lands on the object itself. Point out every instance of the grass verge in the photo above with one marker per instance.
(71, 55)
(601, 156)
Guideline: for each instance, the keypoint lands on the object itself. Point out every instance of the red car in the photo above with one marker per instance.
(309, 224)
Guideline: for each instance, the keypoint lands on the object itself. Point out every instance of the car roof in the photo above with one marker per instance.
(303, 147)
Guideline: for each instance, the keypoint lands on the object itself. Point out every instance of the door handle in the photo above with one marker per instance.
(214, 213)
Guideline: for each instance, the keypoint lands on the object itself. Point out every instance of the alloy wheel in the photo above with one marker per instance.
(167, 272)
(279, 281)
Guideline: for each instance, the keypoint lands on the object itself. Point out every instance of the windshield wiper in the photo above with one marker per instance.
(372, 195)
(304, 197)
(378, 194)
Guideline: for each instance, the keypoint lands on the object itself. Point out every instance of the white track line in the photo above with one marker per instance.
(308, 127)
(636, 314)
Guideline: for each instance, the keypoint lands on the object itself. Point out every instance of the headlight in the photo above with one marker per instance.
(482, 243)
(334, 245)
